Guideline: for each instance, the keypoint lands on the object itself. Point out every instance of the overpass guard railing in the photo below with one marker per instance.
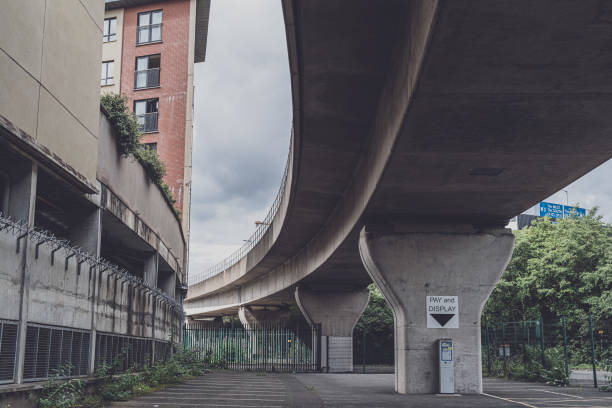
(254, 239)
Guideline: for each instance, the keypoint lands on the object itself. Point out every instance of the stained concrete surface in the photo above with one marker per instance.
(231, 389)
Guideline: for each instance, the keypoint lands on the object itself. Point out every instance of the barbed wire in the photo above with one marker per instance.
(43, 237)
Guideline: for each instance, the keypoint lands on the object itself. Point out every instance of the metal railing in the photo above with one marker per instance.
(254, 239)
(148, 121)
(268, 349)
(146, 78)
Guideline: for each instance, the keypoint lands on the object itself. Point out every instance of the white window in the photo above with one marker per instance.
(110, 29)
(149, 27)
(108, 68)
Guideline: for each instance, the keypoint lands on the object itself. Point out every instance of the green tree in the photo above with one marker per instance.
(377, 323)
(561, 268)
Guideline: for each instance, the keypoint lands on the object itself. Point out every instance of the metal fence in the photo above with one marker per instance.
(373, 351)
(260, 349)
(55, 351)
(8, 346)
(580, 349)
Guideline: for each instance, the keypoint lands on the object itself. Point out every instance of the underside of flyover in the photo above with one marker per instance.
(511, 103)
(455, 113)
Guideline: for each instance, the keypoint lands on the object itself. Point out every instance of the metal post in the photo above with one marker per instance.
(488, 343)
(593, 351)
(363, 349)
(565, 346)
(542, 340)
(503, 327)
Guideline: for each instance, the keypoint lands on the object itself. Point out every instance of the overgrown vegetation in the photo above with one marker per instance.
(129, 133)
(61, 393)
(117, 386)
(527, 366)
(377, 324)
(561, 269)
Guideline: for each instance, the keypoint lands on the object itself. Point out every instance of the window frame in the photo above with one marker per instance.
(149, 27)
(107, 37)
(148, 70)
(146, 101)
(107, 78)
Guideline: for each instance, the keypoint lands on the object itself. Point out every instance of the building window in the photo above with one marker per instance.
(146, 113)
(149, 27)
(147, 72)
(110, 29)
(108, 68)
(151, 146)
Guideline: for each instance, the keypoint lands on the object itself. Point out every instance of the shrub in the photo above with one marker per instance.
(154, 167)
(124, 122)
(61, 393)
(129, 133)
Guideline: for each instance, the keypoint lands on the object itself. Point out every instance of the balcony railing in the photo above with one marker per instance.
(148, 122)
(146, 78)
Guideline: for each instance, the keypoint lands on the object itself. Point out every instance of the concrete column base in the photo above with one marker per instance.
(337, 311)
(434, 260)
(337, 354)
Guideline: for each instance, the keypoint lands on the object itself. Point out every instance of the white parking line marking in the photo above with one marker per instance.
(210, 398)
(509, 400)
(560, 393)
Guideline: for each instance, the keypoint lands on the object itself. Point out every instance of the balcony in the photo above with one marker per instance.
(146, 78)
(148, 122)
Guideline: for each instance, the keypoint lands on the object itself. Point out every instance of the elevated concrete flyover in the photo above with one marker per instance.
(420, 128)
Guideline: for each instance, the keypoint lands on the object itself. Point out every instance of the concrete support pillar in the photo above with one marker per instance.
(337, 311)
(87, 232)
(22, 205)
(418, 261)
(151, 269)
(252, 318)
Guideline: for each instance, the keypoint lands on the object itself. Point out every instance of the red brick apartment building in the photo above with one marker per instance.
(149, 48)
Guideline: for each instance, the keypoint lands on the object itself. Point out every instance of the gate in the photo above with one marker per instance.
(260, 349)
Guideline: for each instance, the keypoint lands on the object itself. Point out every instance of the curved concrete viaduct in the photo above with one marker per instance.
(425, 126)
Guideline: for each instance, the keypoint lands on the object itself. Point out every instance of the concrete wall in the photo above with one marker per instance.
(128, 181)
(68, 297)
(111, 51)
(50, 78)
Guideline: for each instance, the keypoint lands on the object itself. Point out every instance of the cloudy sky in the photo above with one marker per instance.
(242, 125)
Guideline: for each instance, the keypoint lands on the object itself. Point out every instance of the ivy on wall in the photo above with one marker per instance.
(128, 141)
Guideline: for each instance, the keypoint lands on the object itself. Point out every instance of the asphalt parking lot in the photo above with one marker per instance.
(243, 390)
(538, 395)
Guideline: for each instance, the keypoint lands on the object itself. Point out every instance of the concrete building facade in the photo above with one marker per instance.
(152, 46)
(92, 253)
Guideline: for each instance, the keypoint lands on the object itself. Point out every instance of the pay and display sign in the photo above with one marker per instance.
(560, 211)
(442, 312)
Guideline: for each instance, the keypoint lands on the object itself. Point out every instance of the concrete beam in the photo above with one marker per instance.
(417, 261)
(252, 318)
(337, 311)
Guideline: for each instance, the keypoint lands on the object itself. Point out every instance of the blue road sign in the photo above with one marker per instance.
(573, 211)
(560, 211)
(552, 210)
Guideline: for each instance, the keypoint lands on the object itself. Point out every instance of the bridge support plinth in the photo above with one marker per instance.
(252, 317)
(337, 310)
(419, 265)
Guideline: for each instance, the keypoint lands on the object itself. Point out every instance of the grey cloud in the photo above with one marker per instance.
(241, 126)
